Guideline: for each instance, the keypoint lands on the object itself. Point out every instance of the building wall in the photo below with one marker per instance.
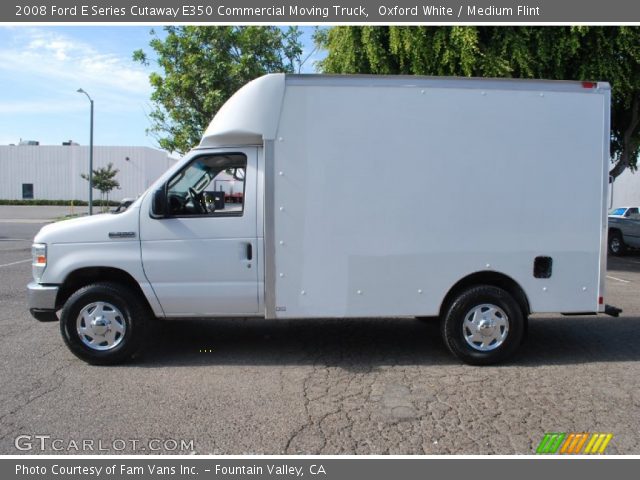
(226, 183)
(626, 189)
(54, 170)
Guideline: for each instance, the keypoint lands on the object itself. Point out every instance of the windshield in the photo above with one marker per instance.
(617, 211)
(197, 176)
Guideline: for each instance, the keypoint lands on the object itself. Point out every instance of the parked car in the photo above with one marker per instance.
(624, 230)
(623, 212)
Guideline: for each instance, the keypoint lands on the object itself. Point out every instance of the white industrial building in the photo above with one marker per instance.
(52, 172)
(626, 189)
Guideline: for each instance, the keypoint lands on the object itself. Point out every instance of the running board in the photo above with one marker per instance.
(608, 310)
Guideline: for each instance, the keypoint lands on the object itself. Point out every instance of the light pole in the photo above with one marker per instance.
(90, 154)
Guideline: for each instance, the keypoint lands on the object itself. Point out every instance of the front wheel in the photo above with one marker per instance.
(616, 243)
(104, 323)
(483, 325)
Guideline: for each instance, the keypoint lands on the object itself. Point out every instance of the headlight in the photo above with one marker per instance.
(39, 260)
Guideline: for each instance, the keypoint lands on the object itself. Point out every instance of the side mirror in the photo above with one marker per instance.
(159, 204)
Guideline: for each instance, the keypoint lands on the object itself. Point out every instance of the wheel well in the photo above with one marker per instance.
(495, 279)
(86, 276)
(615, 230)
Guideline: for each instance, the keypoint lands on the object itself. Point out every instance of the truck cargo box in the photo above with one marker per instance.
(383, 192)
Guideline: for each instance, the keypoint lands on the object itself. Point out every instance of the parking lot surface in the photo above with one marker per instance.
(238, 386)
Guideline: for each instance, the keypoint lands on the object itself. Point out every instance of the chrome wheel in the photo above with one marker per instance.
(615, 244)
(485, 327)
(101, 326)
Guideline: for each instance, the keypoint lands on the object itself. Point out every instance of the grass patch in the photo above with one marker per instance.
(68, 217)
(60, 203)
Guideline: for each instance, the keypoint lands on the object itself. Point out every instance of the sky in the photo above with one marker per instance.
(41, 69)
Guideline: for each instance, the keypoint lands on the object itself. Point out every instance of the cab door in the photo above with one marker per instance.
(200, 255)
(631, 227)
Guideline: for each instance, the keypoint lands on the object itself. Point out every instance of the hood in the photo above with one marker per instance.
(92, 229)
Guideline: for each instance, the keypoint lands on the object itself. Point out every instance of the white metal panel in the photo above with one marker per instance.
(85, 242)
(604, 200)
(490, 179)
(260, 222)
(197, 265)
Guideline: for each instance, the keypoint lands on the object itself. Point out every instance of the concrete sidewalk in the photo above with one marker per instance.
(38, 213)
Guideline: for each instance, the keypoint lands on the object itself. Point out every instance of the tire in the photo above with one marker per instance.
(616, 244)
(483, 325)
(104, 323)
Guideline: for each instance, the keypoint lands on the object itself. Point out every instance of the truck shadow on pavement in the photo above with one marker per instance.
(366, 344)
(354, 344)
(630, 262)
(576, 340)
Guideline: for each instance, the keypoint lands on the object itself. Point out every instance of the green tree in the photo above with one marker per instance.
(557, 53)
(104, 181)
(201, 67)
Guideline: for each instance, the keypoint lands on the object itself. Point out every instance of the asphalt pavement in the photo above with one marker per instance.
(239, 386)
(37, 214)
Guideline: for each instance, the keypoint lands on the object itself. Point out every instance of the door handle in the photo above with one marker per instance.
(249, 251)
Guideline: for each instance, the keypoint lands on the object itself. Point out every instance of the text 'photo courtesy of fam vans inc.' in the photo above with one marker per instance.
(314, 196)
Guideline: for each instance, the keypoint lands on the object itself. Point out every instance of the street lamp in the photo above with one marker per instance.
(90, 154)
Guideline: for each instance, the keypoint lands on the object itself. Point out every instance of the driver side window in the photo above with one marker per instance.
(210, 185)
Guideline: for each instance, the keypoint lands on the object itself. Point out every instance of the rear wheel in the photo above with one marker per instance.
(483, 325)
(104, 323)
(616, 243)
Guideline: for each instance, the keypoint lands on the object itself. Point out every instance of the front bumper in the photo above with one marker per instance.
(42, 301)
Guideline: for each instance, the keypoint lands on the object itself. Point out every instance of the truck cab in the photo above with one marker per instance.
(177, 252)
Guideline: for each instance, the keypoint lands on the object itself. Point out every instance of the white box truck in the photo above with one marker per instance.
(480, 201)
